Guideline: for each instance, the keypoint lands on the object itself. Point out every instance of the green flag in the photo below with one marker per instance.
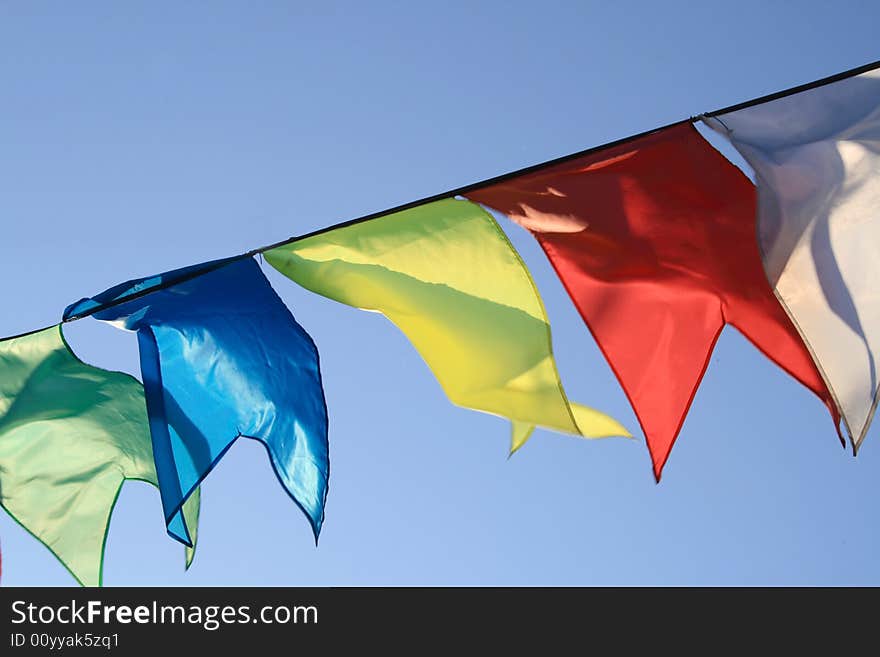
(70, 434)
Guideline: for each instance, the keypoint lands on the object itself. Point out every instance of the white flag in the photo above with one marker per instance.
(816, 156)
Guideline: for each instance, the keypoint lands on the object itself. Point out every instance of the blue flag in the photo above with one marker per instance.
(222, 357)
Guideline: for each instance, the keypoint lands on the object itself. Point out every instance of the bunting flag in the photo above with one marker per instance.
(222, 357)
(654, 241)
(816, 156)
(659, 240)
(447, 276)
(70, 434)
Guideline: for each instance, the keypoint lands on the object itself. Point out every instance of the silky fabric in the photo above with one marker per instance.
(654, 239)
(70, 435)
(447, 276)
(222, 357)
(816, 157)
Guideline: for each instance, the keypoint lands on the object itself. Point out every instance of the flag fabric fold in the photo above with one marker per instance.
(654, 241)
(70, 435)
(816, 157)
(450, 280)
(222, 357)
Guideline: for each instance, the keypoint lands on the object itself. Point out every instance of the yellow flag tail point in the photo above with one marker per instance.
(520, 432)
(600, 425)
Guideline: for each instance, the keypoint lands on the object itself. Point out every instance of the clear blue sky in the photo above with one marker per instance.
(144, 136)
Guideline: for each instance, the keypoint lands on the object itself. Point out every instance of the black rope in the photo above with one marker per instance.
(162, 286)
(463, 191)
(837, 77)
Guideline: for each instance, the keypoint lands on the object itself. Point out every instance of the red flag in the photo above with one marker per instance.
(654, 239)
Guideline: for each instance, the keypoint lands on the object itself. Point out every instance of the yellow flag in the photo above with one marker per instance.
(447, 276)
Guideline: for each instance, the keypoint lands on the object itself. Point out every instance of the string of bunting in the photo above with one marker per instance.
(656, 230)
